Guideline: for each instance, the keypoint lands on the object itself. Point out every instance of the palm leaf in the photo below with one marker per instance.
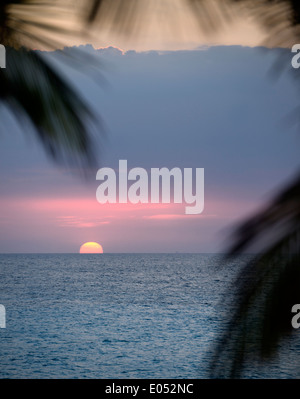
(36, 93)
(279, 18)
(266, 288)
(34, 90)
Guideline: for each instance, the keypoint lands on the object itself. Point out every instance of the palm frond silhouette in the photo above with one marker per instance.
(33, 89)
(279, 18)
(266, 288)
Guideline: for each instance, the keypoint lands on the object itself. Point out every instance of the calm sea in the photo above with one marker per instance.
(113, 315)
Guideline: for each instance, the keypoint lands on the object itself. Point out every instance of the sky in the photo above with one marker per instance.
(215, 108)
(159, 25)
(166, 100)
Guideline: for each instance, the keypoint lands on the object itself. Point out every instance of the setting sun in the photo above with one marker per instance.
(91, 248)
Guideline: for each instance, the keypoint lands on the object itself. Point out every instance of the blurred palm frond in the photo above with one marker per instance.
(36, 93)
(33, 89)
(279, 18)
(266, 288)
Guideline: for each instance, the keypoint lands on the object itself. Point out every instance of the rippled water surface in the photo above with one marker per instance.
(110, 315)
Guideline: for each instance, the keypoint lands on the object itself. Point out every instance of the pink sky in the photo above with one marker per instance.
(64, 224)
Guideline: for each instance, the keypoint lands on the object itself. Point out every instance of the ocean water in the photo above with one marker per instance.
(114, 315)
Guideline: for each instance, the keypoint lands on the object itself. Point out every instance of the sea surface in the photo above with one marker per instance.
(116, 316)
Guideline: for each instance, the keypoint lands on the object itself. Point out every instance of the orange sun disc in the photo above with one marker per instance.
(91, 248)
